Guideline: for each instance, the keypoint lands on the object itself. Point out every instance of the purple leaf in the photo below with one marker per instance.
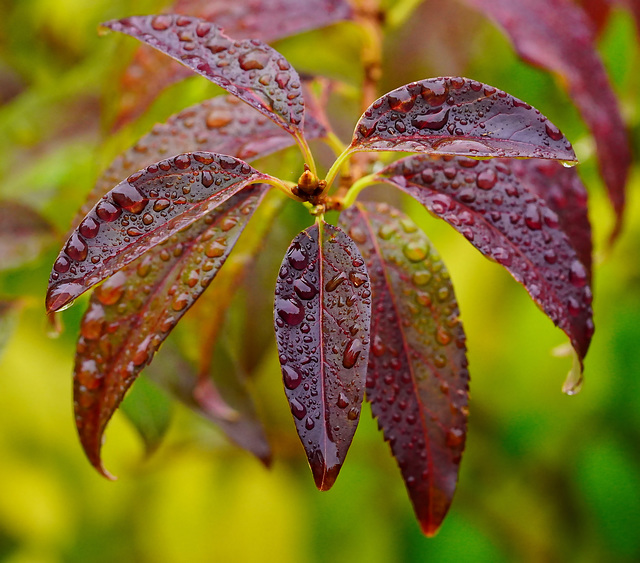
(150, 72)
(222, 125)
(564, 192)
(248, 69)
(322, 314)
(417, 380)
(556, 35)
(132, 312)
(140, 213)
(458, 116)
(485, 201)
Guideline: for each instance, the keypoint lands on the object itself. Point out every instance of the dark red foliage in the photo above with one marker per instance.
(248, 69)
(459, 116)
(322, 314)
(556, 35)
(485, 202)
(150, 72)
(417, 379)
(140, 213)
(131, 313)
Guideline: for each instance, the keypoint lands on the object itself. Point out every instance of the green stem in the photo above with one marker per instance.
(335, 168)
(282, 185)
(357, 187)
(306, 153)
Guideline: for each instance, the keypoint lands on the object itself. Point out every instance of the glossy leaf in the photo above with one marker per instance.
(417, 380)
(222, 125)
(150, 72)
(132, 312)
(140, 213)
(556, 35)
(322, 314)
(485, 201)
(24, 234)
(564, 192)
(458, 116)
(248, 69)
(224, 398)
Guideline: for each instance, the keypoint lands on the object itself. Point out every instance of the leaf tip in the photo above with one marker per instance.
(429, 527)
(61, 297)
(323, 475)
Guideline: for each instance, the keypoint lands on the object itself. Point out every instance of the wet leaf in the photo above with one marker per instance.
(248, 69)
(24, 234)
(565, 194)
(458, 116)
(485, 201)
(224, 398)
(140, 213)
(221, 125)
(322, 314)
(150, 72)
(557, 36)
(417, 380)
(150, 411)
(132, 312)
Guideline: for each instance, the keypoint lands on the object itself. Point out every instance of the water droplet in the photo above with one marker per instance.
(206, 178)
(93, 321)
(443, 336)
(435, 94)
(455, 437)
(377, 347)
(304, 289)
(253, 60)
(416, 250)
(290, 310)
(180, 302)
(553, 131)
(432, 121)
(110, 292)
(401, 100)
(532, 217)
(128, 197)
(358, 278)
(297, 256)
(215, 249)
(309, 424)
(487, 179)
(578, 274)
(218, 117)
(351, 353)
(160, 23)
(76, 248)
(89, 228)
(182, 161)
(108, 212)
(291, 377)
(161, 204)
(353, 414)
(358, 234)
(335, 282)
(343, 401)
(62, 264)
(298, 409)
(385, 232)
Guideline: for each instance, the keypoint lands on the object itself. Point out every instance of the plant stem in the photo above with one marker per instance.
(350, 197)
(306, 153)
(282, 185)
(335, 168)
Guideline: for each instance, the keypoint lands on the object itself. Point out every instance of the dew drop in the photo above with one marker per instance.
(128, 197)
(455, 437)
(108, 212)
(415, 251)
(304, 289)
(297, 256)
(76, 248)
(89, 228)
(377, 346)
(553, 132)
(218, 117)
(161, 204)
(343, 401)
(486, 179)
(432, 121)
(358, 278)
(578, 274)
(110, 292)
(335, 282)
(290, 310)
(401, 100)
(532, 217)
(298, 409)
(253, 60)
(351, 353)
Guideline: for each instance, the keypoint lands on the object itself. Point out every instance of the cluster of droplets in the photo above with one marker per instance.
(417, 381)
(248, 68)
(140, 213)
(132, 312)
(495, 211)
(461, 116)
(321, 313)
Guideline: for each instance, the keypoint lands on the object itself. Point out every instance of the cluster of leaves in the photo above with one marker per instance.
(362, 309)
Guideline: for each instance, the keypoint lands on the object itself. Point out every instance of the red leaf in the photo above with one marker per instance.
(248, 69)
(322, 313)
(140, 213)
(149, 72)
(485, 202)
(458, 116)
(131, 313)
(24, 234)
(565, 194)
(221, 125)
(556, 35)
(417, 381)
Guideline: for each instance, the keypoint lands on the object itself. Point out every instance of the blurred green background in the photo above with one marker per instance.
(545, 477)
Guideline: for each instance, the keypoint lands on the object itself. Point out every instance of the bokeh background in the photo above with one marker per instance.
(545, 476)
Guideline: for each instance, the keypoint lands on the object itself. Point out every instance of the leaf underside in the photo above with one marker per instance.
(140, 213)
(132, 312)
(486, 203)
(417, 379)
(150, 72)
(322, 314)
(248, 69)
(556, 35)
(458, 116)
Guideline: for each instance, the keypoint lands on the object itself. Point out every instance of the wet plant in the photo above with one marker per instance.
(364, 309)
